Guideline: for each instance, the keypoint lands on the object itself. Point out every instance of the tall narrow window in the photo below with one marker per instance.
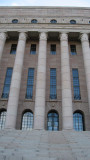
(7, 83)
(53, 83)
(13, 49)
(76, 86)
(29, 92)
(33, 49)
(78, 121)
(73, 49)
(53, 49)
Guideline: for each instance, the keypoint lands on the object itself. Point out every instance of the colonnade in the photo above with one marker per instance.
(39, 114)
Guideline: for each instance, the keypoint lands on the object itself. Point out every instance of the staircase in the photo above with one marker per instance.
(44, 145)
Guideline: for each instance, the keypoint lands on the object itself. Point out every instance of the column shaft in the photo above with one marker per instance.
(2, 43)
(39, 115)
(86, 57)
(67, 114)
(15, 83)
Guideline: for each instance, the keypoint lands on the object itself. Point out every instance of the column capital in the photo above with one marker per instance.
(22, 36)
(43, 35)
(3, 35)
(63, 36)
(84, 37)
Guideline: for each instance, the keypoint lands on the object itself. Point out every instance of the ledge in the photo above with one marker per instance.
(4, 99)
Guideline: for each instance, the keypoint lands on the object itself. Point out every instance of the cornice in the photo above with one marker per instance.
(43, 7)
(60, 30)
(48, 27)
(44, 11)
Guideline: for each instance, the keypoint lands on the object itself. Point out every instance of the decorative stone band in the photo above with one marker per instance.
(43, 36)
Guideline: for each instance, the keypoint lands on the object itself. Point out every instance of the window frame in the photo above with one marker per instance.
(7, 83)
(30, 79)
(53, 21)
(73, 49)
(25, 120)
(34, 21)
(13, 49)
(53, 84)
(52, 49)
(32, 51)
(72, 21)
(76, 84)
(2, 118)
(77, 121)
(14, 21)
(52, 118)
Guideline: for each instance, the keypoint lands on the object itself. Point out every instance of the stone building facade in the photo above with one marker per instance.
(54, 42)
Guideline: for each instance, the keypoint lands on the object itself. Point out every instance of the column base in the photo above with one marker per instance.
(68, 129)
(9, 128)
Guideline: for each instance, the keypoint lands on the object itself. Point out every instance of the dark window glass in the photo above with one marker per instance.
(2, 119)
(53, 49)
(29, 92)
(53, 94)
(7, 83)
(33, 49)
(78, 121)
(13, 49)
(89, 22)
(53, 21)
(34, 21)
(15, 21)
(53, 121)
(76, 86)
(73, 49)
(27, 121)
(73, 22)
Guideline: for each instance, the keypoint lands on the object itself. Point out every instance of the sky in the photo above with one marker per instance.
(76, 3)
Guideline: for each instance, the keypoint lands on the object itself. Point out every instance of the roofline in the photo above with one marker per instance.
(44, 7)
